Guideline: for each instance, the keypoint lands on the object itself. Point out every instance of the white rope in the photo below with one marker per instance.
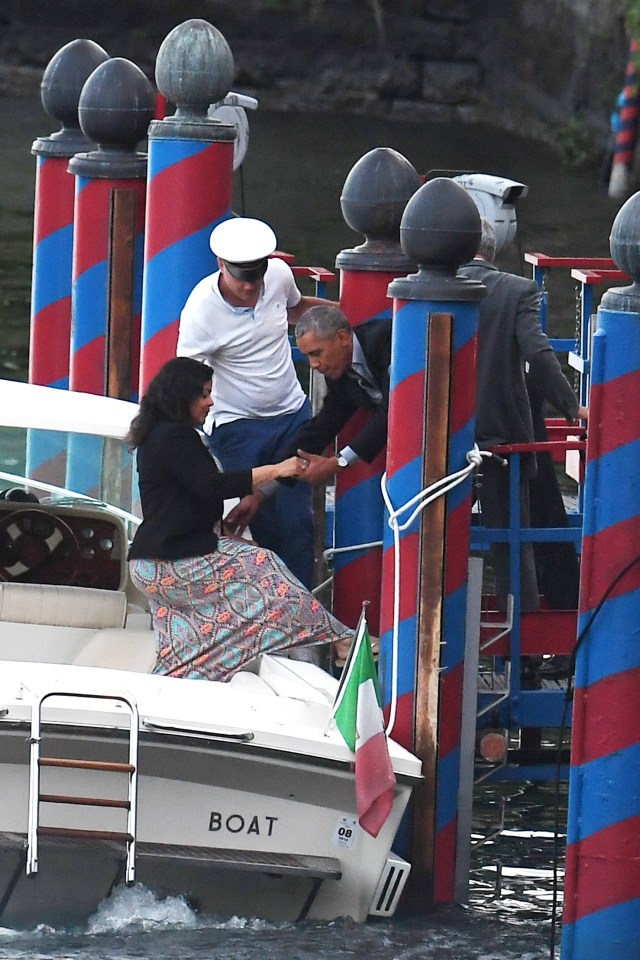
(421, 500)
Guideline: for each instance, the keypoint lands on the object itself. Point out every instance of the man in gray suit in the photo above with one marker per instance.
(509, 337)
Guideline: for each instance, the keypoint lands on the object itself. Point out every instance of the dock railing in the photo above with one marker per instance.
(589, 273)
(548, 631)
(545, 632)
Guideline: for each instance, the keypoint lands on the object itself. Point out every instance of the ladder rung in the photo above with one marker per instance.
(73, 836)
(86, 801)
(87, 764)
(85, 834)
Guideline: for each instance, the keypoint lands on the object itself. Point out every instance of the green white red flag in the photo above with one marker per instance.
(357, 711)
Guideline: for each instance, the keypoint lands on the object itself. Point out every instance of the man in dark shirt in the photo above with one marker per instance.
(355, 363)
(509, 337)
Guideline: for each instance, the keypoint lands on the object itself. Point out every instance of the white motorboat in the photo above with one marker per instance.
(239, 796)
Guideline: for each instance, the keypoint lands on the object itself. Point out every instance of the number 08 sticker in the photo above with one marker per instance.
(346, 832)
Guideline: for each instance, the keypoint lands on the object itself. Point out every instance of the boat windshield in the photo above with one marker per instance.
(68, 467)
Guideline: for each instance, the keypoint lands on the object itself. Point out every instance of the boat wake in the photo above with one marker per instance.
(138, 907)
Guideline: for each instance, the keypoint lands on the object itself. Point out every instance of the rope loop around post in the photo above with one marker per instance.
(421, 500)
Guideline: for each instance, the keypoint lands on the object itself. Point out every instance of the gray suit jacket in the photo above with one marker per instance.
(510, 334)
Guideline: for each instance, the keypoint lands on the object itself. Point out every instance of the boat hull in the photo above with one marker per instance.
(77, 875)
(246, 825)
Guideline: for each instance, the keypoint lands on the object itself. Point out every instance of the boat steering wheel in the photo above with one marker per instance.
(37, 547)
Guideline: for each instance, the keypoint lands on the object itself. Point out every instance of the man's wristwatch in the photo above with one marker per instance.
(342, 461)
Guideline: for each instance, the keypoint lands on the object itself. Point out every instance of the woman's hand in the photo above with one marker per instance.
(292, 467)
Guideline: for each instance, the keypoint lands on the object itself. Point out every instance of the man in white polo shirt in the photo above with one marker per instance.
(237, 320)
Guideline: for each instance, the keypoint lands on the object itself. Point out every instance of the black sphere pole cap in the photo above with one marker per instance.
(440, 230)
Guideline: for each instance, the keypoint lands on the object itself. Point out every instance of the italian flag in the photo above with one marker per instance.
(357, 712)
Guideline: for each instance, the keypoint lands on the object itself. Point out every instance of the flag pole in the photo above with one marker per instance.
(346, 670)
(357, 713)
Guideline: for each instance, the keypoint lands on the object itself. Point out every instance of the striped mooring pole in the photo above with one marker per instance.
(116, 105)
(50, 330)
(50, 324)
(431, 429)
(626, 133)
(189, 182)
(602, 882)
(373, 199)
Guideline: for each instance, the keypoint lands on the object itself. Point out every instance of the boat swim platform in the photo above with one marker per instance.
(205, 876)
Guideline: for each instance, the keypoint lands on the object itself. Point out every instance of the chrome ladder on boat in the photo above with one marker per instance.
(36, 762)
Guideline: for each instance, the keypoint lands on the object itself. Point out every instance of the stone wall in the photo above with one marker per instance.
(538, 67)
(548, 66)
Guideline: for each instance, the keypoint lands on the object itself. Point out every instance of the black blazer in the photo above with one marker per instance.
(345, 396)
(182, 493)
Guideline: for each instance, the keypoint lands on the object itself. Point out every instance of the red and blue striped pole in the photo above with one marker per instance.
(626, 127)
(116, 105)
(373, 199)
(91, 280)
(431, 430)
(50, 326)
(62, 84)
(602, 883)
(189, 183)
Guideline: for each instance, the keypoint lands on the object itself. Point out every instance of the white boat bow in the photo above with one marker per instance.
(111, 773)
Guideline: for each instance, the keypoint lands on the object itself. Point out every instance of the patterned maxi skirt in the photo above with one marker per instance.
(214, 614)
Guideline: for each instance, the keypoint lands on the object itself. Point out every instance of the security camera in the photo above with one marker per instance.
(495, 198)
(233, 110)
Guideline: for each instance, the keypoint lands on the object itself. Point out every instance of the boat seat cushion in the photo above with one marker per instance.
(118, 650)
(40, 642)
(62, 606)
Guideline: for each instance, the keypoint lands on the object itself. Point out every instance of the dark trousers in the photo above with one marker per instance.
(494, 502)
(557, 563)
(284, 523)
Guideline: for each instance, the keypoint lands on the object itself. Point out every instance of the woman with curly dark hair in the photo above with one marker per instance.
(217, 602)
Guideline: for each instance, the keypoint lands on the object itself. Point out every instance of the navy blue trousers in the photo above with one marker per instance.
(284, 523)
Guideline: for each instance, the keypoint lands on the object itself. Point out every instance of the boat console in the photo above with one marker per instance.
(79, 544)
(65, 594)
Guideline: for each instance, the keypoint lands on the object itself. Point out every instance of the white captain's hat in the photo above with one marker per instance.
(244, 244)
